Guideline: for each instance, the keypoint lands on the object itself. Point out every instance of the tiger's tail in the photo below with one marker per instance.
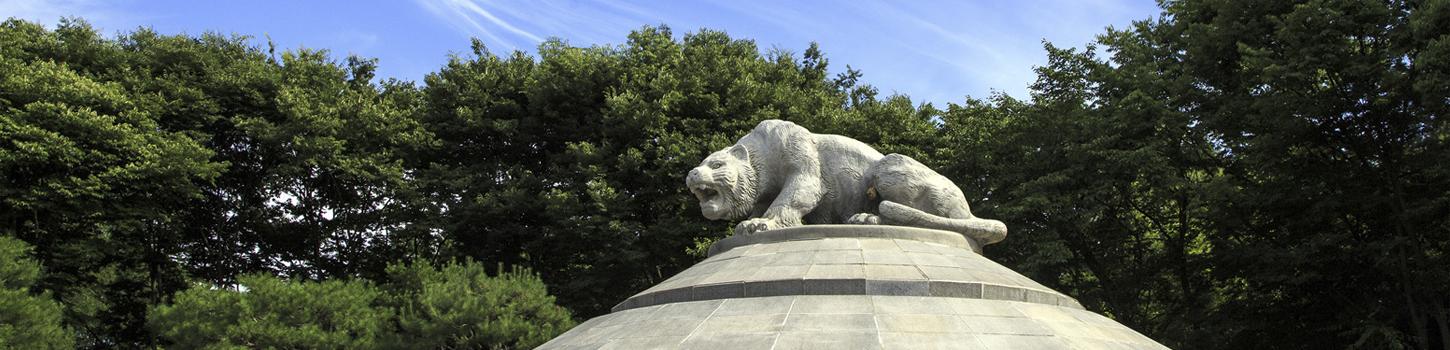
(985, 231)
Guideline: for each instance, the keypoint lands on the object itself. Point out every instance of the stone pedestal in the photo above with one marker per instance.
(849, 287)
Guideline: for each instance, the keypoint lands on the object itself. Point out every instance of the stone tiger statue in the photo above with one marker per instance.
(782, 175)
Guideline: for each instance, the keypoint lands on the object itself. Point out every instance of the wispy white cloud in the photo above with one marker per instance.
(932, 50)
(521, 25)
(939, 50)
(473, 8)
(472, 18)
(103, 14)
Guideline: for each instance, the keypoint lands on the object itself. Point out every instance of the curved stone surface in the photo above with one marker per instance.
(851, 322)
(800, 233)
(847, 260)
(849, 287)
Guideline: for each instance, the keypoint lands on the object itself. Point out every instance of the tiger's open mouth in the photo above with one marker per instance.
(704, 193)
(712, 191)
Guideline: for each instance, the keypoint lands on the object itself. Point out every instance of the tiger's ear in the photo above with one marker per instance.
(740, 152)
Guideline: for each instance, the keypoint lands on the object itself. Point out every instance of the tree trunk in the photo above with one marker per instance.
(1417, 321)
(1441, 320)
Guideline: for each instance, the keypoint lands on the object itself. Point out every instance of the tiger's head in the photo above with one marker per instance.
(724, 183)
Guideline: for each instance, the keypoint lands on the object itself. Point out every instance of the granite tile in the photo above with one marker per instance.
(827, 340)
(841, 304)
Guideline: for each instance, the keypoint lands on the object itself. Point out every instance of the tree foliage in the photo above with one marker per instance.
(1230, 174)
(272, 313)
(1236, 174)
(454, 306)
(91, 179)
(29, 318)
(458, 306)
(570, 163)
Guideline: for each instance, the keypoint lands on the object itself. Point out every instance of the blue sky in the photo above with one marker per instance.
(933, 51)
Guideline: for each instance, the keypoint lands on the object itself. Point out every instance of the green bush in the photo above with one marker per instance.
(455, 306)
(460, 307)
(269, 312)
(28, 320)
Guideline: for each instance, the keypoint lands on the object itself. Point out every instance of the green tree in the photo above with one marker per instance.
(1103, 188)
(29, 318)
(458, 306)
(453, 306)
(268, 312)
(570, 163)
(133, 163)
(314, 177)
(1339, 140)
(91, 180)
(1235, 174)
(1335, 141)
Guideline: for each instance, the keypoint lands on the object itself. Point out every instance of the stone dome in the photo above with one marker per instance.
(849, 287)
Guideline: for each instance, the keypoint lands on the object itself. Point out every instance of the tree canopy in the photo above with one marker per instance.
(1229, 174)
(455, 306)
(29, 318)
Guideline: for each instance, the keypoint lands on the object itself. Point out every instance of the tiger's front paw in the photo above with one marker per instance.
(864, 219)
(756, 225)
